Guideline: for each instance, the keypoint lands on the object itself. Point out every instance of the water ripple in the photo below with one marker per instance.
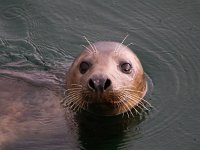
(165, 35)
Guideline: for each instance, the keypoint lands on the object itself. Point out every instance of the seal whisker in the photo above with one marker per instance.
(123, 101)
(121, 104)
(144, 101)
(134, 99)
(129, 44)
(77, 107)
(66, 92)
(83, 104)
(119, 46)
(75, 87)
(95, 47)
(137, 112)
(70, 100)
(72, 91)
(74, 105)
(139, 105)
(71, 95)
(73, 100)
(143, 106)
(151, 106)
(89, 50)
(131, 90)
(92, 46)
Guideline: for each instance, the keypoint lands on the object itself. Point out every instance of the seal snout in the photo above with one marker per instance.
(99, 83)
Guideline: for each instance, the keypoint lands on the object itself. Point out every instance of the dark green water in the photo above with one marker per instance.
(37, 42)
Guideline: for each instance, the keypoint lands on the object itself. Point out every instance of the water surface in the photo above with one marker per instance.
(38, 41)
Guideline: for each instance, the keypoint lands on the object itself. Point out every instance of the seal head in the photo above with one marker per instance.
(106, 78)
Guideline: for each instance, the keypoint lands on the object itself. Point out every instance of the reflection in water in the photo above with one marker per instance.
(97, 132)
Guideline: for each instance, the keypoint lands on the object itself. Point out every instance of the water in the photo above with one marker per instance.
(38, 40)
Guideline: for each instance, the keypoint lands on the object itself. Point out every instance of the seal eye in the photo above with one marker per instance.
(126, 68)
(84, 66)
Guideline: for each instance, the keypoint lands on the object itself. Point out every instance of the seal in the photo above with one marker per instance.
(106, 79)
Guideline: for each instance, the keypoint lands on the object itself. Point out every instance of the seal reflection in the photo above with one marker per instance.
(105, 132)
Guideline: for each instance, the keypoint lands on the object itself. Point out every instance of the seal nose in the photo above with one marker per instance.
(99, 84)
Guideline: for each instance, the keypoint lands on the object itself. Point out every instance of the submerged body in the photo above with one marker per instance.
(107, 79)
(30, 110)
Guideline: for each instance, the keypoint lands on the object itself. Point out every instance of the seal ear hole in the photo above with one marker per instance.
(84, 66)
(126, 67)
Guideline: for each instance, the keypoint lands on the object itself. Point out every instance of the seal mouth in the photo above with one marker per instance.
(100, 106)
(103, 108)
(101, 98)
(109, 103)
(104, 104)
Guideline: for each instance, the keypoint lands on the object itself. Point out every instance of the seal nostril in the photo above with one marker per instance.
(91, 84)
(99, 84)
(107, 84)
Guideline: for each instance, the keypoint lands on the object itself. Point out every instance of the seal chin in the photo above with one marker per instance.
(102, 109)
(104, 104)
(101, 101)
